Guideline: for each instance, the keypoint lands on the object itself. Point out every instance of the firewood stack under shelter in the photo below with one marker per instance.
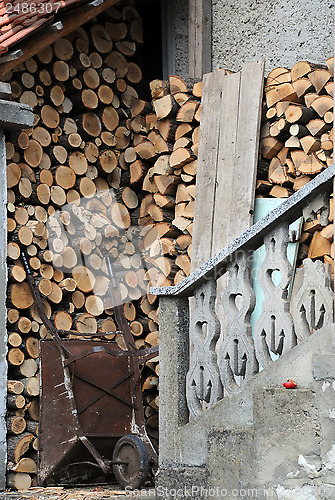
(93, 132)
(83, 92)
(297, 142)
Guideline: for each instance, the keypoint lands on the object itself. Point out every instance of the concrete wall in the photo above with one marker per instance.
(281, 31)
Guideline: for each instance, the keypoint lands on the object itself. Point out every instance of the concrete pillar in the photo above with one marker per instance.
(12, 116)
(3, 332)
(173, 366)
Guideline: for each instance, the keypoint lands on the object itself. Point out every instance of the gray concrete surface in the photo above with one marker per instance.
(281, 31)
(15, 115)
(12, 115)
(180, 8)
(264, 439)
(173, 410)
(3, 313)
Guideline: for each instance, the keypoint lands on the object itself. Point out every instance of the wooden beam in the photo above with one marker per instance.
(41, 39)
(200, 37)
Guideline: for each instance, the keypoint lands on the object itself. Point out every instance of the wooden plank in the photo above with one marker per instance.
(222, 203)
(200, 37)
(225, 168)
(227, 160)
(43, 39)
(206, 170)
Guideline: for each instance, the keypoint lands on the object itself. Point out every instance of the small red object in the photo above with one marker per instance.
(290, 384)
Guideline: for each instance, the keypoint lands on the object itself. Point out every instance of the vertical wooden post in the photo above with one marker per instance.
(200, 37)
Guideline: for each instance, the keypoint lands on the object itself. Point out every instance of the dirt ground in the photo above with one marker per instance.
(90, 493)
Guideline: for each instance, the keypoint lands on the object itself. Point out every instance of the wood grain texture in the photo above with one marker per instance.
(223, 207)
(227, 162)
(247, 146)
(206, 168)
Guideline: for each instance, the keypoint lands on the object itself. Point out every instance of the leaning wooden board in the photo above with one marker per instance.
(228, 155)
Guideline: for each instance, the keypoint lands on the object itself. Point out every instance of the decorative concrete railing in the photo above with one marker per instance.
(225, 354)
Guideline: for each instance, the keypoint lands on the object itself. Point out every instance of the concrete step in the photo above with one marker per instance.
(265, 439)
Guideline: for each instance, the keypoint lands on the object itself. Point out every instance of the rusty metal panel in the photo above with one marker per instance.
(108, 401)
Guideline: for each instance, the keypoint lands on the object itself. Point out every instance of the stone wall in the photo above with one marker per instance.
(281, 31)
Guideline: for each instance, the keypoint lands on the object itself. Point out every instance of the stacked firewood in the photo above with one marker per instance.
(173, 136)
(297, 142)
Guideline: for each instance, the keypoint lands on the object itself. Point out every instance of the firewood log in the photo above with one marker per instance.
(27, 369)
(25, 465)
(15, 425)
(18, 480)
(18, 445)
(14, 387)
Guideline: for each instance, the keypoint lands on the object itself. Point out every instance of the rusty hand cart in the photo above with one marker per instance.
(91, 414)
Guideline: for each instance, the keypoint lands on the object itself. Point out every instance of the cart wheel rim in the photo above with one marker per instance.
(130, 449)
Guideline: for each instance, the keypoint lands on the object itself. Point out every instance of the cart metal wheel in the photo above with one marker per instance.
(134, 471)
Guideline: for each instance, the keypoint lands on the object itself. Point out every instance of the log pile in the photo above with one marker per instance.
(297, 142)
(169, 183)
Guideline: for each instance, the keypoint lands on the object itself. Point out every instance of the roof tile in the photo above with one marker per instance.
(20, 19)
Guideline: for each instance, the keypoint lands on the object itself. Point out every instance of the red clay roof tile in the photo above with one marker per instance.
(20, 18)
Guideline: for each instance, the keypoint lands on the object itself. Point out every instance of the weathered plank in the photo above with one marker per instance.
(223, 204)
(206, 169)
(200, 34)
(227, 161)
(247, 145)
